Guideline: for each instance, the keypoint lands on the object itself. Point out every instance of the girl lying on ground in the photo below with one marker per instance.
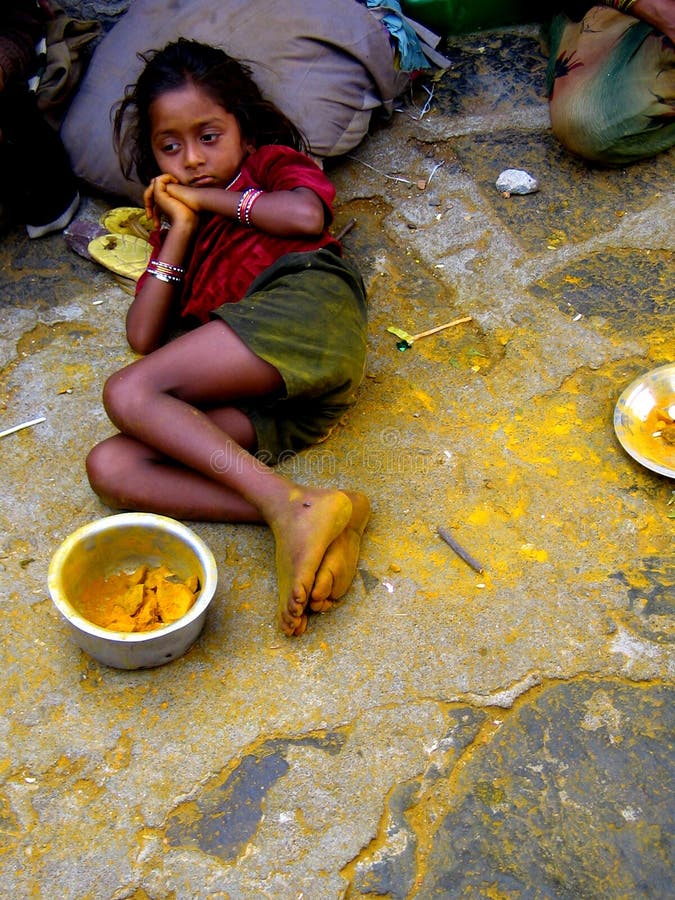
(241, 249)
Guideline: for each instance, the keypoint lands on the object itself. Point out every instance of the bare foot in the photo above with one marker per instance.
(338, 566)
(303, 533)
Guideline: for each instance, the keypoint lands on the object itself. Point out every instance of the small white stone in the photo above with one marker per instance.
(516, 181)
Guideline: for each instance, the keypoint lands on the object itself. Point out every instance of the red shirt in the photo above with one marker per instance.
(227, 256)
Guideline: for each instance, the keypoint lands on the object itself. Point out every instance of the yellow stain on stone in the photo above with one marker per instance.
(529, 551)
(655, 534)
(241, 583)
(19, 546)
(119, 756)
(74, 372)
(85, 791)
(425, 399)
(513, 636)
(557, 238)
(481, 515)
(139, 894)
(9, 824)
(552, 436)
(502, 336)
(519, 509)
(492, 892)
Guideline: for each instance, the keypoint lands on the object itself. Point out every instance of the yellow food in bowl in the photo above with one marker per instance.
(143, 600)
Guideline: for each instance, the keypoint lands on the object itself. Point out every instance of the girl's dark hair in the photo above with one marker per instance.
(228, 82)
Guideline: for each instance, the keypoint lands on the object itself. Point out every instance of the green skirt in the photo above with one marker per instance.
(306, 316)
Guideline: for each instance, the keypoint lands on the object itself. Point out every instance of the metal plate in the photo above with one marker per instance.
(643, 410)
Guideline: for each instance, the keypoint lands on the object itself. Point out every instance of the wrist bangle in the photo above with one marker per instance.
(242, 202)
(622, 6)
(250, 200)
(165, 272)
(167, 279)
(168, 267)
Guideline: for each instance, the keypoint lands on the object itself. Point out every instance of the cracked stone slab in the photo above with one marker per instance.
(572, 797)
(546, 222)
(631, 291)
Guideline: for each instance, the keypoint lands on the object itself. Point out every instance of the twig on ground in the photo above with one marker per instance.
(14, 428)
(459, 550)
(345, 229)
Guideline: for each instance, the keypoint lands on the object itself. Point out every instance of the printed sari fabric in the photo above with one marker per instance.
(611, 84)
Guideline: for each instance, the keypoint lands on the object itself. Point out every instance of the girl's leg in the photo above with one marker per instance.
(338, 565)
(159, 401)
(127, 474)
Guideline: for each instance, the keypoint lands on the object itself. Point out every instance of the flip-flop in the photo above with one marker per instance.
(127, 220)
(123, 254)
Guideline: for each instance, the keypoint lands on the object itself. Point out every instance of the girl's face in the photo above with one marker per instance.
(195, 139)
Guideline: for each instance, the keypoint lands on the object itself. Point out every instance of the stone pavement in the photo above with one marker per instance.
(442, 733)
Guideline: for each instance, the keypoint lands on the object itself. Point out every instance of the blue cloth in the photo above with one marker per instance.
(411, 57)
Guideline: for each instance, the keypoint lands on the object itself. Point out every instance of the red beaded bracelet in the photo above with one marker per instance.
(242, 201)
(250, 200)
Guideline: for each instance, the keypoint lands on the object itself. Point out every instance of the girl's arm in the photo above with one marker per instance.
(153, 306)
(284, 213)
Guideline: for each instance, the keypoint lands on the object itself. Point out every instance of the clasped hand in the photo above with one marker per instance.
(166, 196)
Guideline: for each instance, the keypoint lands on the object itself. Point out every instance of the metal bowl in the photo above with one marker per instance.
(121, 543)
(640, 414)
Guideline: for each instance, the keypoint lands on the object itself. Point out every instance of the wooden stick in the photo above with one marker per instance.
(459, 550)
(422, 334)
(345, 229)
(23, 425)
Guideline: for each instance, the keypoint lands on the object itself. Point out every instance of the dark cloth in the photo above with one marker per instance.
(69, 42)
(306, 316)
(36, 180)
(22, 24)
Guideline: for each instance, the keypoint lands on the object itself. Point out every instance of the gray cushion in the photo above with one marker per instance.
(327, 65)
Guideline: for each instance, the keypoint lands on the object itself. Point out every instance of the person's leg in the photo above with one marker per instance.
(127, 474)
(160, 400)
(611, 82)
(37, 177)
(338, 565)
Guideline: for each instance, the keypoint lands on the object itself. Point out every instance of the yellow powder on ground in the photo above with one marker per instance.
(138, 601)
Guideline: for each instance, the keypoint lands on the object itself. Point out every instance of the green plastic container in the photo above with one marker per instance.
(462, 16)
